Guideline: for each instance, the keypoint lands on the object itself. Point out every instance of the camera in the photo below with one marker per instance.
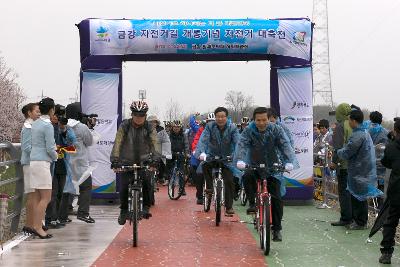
(89, 119)
(60, 113)
(332, 113)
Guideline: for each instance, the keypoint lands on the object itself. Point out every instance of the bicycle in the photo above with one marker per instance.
(135, 197)
(218, 193)
(263, 219)
(242, 195)
(176, 185)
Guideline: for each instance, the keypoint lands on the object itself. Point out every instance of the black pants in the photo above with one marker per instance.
(53, 208)
(273, 186)
(64, 205)
(161, 171)
(389, 229)
(199, 179)
(344, 197)
(124, 184)
(85, 197)
(359, 211)
(228, 182)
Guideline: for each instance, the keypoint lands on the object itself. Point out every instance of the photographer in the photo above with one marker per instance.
(64, 136)
(80, 160)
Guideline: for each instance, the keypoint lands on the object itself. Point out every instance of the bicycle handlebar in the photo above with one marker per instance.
(276, 168)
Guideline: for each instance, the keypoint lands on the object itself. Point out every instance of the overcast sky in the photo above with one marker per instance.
(39, 40)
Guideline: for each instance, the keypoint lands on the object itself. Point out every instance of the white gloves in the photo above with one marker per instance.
(168, 156)
(241, 165)
(289, 167)
(203, 156)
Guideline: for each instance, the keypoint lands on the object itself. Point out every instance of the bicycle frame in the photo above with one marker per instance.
(135, 184)
(218, 178)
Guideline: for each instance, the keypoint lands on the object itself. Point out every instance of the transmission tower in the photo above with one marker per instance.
(322, 90)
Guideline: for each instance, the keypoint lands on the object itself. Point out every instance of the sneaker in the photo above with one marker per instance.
(229, 212)
(251, 209)
(355, 226)
(86, 219)
(276, 236)
(340, 223)
(54, 225)
(386, 258)
(65, 221)
(199, 201)
(123, 215)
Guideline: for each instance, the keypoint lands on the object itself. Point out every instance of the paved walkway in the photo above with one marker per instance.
(181, 234)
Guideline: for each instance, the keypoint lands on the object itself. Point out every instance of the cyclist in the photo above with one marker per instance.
(179, 144)
(199, 176)
(266, 143)
(165, 146)
(244, 123)
(135, 140)
(219, 138)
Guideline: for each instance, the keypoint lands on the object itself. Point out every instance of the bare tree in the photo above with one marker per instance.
(239, 103)
(11, 98)
(173, 111)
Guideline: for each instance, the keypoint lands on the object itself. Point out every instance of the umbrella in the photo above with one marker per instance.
(380, 220)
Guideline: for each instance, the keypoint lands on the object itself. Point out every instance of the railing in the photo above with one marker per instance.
(329, 183)
(11, 183)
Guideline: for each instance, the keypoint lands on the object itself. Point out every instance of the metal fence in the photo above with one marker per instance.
(326, 182)
(11, 183)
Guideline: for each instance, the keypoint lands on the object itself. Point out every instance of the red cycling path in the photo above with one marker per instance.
(180, 233)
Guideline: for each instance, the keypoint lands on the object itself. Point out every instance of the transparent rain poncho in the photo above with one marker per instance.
(360, 154)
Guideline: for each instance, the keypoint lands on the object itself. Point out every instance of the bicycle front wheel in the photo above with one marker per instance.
(266, 227)
(243, 197)
(218, 202)
(135, 217)
(174, 188)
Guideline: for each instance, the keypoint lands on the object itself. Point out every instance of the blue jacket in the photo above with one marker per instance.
(378, 134)
(43, 143)
(269, 147)
(215, 143)
(26, 142)
(360, 154)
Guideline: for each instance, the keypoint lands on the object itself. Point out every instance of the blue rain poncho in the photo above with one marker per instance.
(213, 144)
(269, 147)
(360, 154)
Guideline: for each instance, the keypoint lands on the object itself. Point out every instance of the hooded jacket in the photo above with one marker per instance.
(215, 142)
(269, 147)
(360, 154)
(341, 133)
(391, 160)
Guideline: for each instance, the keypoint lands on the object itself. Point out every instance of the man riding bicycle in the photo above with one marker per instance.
(179, 145)
(219, 138)
(135, 141)
(266, 143)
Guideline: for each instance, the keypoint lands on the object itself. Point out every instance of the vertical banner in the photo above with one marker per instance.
(99, 96)
(295, 100)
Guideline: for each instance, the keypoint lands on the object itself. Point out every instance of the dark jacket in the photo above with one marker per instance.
(178, 142)
(391, 160)
(133, 145)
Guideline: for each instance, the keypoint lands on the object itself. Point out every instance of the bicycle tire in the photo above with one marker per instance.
(266, 229)
(218, 199)
(174, 188)
(206, 200)
(243, 197)
(135, 217)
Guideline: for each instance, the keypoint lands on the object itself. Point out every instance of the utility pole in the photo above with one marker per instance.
(322, 88)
